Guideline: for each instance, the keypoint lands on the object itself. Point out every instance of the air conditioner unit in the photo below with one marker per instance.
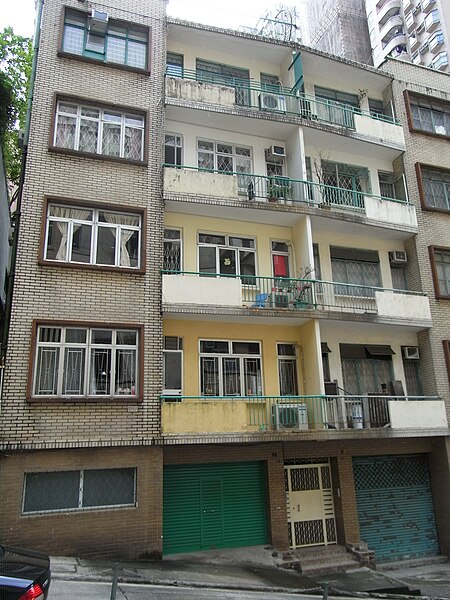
(275, 102)
(290, 416)
(397, 257)
(411, 352)
(98, 21)
(276, 151)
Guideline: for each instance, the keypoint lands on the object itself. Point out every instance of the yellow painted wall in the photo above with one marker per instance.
(267, 335)
(191, 225)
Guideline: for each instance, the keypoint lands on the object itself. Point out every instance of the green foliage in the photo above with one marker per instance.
(15, 70)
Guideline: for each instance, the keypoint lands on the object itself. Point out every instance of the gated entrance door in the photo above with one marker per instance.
(310, 507)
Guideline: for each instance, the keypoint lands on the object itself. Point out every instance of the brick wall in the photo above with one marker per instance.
(52, 292)
(126, 532)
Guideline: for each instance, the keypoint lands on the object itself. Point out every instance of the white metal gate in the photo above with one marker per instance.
(310, 507)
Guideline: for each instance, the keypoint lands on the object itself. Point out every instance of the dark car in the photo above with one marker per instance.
(24, 574)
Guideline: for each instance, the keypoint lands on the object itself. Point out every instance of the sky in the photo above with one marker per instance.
(19, 14)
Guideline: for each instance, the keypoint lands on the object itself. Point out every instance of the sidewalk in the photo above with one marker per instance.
(257, 568)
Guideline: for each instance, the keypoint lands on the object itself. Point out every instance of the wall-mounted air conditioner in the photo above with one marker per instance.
(411, 352)
(275, 102)
(290, 416)
(98, 21)
(276, 151)
(397, 257)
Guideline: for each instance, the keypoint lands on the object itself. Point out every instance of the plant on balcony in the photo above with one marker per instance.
(278, 188)
(301, 289)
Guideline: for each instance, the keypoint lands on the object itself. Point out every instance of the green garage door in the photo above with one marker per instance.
(395, 507)
(214, 506)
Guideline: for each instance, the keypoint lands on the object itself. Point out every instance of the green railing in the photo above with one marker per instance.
(278, 99)
(284, 189)
(300, 294)
(304, 413)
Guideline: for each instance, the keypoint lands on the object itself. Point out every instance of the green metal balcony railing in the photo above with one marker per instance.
(299, 294)
(285, 189)
(278, 99)
(304, 413)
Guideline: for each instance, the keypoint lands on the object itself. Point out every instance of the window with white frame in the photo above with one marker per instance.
(227, 255)
(92, 236)
(79, 490)
(230, 368)
(173, 147)
(94, 130)
(287, 369)
(120, 43)
(80, 361)
(172, 250)
(280, 259)
(226, 158)
(173, 365)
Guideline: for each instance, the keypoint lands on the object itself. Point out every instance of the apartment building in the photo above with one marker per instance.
(248, 364)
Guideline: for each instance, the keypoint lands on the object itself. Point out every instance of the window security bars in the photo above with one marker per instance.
(120, 44)
(99, 131)
(92, 236)
(230, 368)
(172, 250)
(226, 158)
(442, 265)
(436, 188)
(430, 115)
(76, 361)
(79, 490)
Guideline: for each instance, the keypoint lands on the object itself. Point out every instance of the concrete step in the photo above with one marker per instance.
(320, 559)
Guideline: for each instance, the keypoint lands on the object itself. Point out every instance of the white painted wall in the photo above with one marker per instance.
(191, 289)
(402, 305)
(416, 414)
(179, 181)
(385, 132)
(390, 212)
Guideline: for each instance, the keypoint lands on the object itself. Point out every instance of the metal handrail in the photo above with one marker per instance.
(302, 110)
(296, 190)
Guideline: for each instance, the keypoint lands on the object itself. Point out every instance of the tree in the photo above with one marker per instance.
(15, 70)
(281, 23)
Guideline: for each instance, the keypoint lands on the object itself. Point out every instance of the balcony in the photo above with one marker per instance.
(249, 94)
(263, 295)
(414, 42)
(407, 6)
(388, 10)
(428, 5)
(440, 61)
(391, 28)
(284, 192)
(303, 415)
(436, 42)
(432, 20)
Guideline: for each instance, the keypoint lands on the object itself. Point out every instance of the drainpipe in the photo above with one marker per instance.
(16, 217)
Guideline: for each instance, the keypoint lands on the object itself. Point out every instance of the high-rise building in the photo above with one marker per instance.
(218, 334)
(338, 27)
(412, 30)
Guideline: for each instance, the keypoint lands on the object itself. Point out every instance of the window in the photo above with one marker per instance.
(351, 180)
(440, 263)
(226, 158)
(174, 63)
(173, 365)
(429, 115)
(172, 250)
(376, 108)
(270, 83)
(227, 255)
(172, 150)
(95, 130)
(366, 368)
(92, 236)
(228, 76)
(230, 368)
(336, 107)
(358, 267)
(78, 490)
(79, 361)
(399, 280)
(434, 188)
(387, 184)
(120, 43)
(287, 369)
(280, 259)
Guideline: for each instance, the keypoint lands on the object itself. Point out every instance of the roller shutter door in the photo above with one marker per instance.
(395, 506)
(214, 506)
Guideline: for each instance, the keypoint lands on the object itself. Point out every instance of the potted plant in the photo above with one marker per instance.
(302, 289)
